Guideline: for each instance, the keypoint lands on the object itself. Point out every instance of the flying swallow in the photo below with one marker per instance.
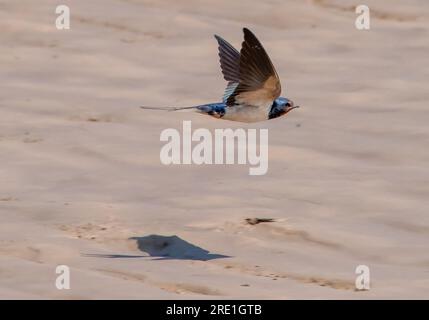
(253, 90)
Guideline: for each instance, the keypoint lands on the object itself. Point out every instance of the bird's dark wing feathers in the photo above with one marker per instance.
(259, 84)
(229, 60)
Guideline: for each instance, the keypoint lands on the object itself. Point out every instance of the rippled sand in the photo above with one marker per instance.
(82, 184)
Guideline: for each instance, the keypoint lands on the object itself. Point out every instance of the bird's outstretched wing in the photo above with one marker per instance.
(229, 58)
(259, 84)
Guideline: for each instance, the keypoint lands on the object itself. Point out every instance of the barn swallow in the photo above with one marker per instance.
(253, 90)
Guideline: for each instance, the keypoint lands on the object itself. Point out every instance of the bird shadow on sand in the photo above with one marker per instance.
(165, 248)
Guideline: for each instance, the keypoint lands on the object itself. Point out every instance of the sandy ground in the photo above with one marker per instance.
(82, 184)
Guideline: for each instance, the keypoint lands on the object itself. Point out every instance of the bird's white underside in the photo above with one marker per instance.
(244, 113)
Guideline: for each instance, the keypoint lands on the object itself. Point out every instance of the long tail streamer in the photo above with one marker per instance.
(168, 108)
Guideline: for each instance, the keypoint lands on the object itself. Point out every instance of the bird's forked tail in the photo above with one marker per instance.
(168, 108)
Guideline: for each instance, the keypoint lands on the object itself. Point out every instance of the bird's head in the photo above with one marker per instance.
(286, 104)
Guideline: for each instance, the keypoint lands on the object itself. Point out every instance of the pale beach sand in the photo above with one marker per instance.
(82, 184)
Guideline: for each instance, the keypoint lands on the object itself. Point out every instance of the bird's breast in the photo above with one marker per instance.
(246, 113)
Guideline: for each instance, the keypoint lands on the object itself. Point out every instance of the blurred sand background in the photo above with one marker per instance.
(82, 183)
